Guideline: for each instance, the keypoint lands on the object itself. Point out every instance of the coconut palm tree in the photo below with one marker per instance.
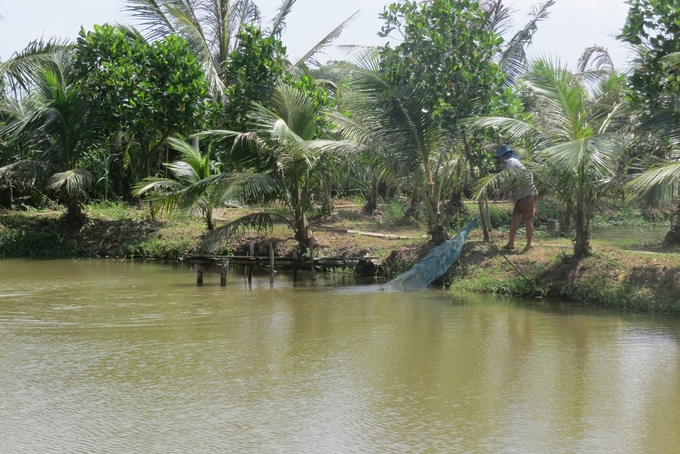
(573, 140)
(285, 131)
(400, 134)
(185, 191)
(51, 120)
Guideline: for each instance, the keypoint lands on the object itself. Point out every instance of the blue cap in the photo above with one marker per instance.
(504, 150)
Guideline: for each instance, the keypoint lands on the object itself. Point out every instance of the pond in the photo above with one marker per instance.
(117, 356)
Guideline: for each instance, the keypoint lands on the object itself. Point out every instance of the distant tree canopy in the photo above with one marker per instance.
(653, 26)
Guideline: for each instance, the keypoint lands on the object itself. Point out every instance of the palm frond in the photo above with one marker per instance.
(516, 131)
(289, 115)
(663, 178)
(31, 171)
(665, 120)
(260, 222)
(327, 40)
(189, 27)
(131, 32)
(279, 23)
(500, 16)
(506, 180)
(513, 59)
(161, 186)
(71, 182)
(24, 67)
(561, 99)
(672, 59)
(242, 186)
(599, 57)
(151, 15)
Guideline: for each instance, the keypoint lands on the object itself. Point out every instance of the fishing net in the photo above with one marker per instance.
(436, 263)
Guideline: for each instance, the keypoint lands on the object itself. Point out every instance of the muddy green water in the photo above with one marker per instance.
(114, 357)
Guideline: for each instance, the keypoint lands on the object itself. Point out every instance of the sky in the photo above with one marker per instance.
(572, 26)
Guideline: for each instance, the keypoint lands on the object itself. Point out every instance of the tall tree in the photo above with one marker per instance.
(286, 130)
(444, 69)
(149, 91)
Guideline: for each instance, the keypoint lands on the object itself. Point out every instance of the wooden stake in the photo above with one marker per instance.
(223, 273)
(250, 268)
(271, 263)
(199, 277)
(311, 258)
(294, 267)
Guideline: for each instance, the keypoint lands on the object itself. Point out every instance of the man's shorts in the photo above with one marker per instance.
(526, 207)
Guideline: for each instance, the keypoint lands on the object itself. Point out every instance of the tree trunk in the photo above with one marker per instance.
(210, 222)
(74, 212)
(673, 236)
(455, 205)
(372, 200)
(438, 233)
(437, 229)
(412, 211)
(582, 242)
(568, 214)
(302, 232)
(483, 215)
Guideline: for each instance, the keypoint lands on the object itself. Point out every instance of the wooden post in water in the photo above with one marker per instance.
(250, 268)
(271, 263)
(294, 267)
(223, 273)
(311, 258)
(199, 276)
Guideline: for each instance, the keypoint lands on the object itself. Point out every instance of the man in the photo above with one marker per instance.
(524, 196)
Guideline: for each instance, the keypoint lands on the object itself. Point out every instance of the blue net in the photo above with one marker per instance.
(437, 262)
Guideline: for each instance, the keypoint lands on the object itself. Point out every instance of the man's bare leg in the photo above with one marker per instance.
(530, 234)
(514, 225)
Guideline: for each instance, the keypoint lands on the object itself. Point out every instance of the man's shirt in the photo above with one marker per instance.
(523, 190)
